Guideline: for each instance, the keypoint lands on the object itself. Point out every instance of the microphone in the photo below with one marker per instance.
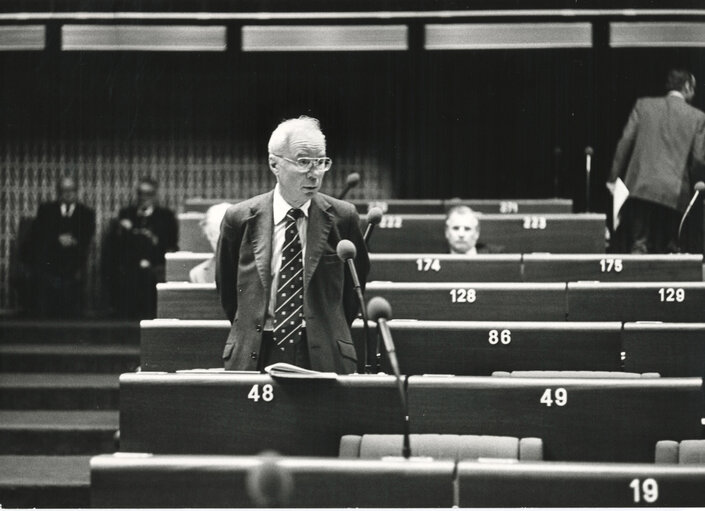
(380, 311)
(588, 167)
(346, 252)
(699, 187)
(268, 484)
(350, 182)
(374, 217)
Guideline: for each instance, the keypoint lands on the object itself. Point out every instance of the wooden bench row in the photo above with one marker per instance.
(470, 348)
(463, 301)
(145, 481)
(428, 206)
(578, 419)
(502, 267)
(513, 233)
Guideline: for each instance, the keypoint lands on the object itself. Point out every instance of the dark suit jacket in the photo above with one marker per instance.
(662, 151)
(136, 245)
(49, 224)
(243, 277)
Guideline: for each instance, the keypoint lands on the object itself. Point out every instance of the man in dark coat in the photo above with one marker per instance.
(139, 238)
(288, 295)
(61, 236)
(660, 157)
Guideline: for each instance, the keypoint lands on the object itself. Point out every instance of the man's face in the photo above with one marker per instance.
(146, 194)
(296, 186)
(462, 231)
(67, 191)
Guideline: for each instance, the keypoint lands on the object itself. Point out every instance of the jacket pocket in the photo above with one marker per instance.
(347, 350)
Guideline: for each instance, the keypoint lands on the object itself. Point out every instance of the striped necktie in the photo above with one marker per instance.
(289, 310)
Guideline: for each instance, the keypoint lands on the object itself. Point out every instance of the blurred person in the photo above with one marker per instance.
(659, 157)
(142, 233)
(205, 271)
(60, 237)
(462, 230)
(282, 285)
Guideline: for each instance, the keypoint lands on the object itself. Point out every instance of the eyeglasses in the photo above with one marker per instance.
(305, 165)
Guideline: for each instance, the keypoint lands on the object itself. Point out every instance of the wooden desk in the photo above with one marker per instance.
(671, 349)
(448, 347)
(429, 206)
(144, 481)
(600, 419)
(216, 413)
(612, 267)
(397, 267)
(515, 233)
(428, 301)
(575, 485)
(636, 301)
(473, 301)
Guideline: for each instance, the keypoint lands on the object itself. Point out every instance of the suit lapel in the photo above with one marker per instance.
(261, 228)
(319, 224)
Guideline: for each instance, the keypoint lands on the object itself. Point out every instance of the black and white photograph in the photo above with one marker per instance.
(352, 254)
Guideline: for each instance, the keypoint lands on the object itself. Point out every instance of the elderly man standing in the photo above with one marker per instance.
(281, 283)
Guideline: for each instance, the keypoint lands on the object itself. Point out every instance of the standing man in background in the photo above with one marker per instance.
(143, 233)
(288, 295)
(659, 157)
(60, 239)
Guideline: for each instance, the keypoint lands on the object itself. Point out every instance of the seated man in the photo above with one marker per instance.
(462, 232)
(205, 272)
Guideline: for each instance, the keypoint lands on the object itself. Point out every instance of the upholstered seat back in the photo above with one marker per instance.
(458, 447)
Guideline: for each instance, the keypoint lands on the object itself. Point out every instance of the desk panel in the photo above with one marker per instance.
(514, 233)
(183, 300)
(445, 268)
(612, 267)
(479, 348)
(591, 419)
(147, 481)
(636, 301)
(469, 301)
(574, 485)
(438, 347)
(600, 419)
(179, 264)
(430, 206)
(220, 413)
(671, 349)
(427, 301)
(191, 237)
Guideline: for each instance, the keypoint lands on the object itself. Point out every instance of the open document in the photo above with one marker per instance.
(284, 370)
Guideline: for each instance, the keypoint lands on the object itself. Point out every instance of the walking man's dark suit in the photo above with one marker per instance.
(246, 265)
(61, 236)
(659, 158)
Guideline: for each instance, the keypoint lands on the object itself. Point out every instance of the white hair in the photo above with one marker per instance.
(212, 220)
(280, 136)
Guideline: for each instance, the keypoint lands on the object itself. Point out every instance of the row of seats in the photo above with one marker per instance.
(145, 481)
(468, 347)
(465, 301)
(574, 233)
(428, 206)
(502, 267)
(609, 419)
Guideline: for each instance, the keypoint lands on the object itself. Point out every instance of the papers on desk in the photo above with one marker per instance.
(619, 197)
(284, 370)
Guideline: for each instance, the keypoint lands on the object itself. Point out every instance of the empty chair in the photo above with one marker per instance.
(458, 447)
(685, 452)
